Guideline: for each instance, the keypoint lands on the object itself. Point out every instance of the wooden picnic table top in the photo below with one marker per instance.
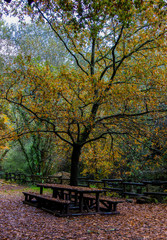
(70, 188)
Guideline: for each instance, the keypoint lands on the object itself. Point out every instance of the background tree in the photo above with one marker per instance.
(35, 152)
(115, 85)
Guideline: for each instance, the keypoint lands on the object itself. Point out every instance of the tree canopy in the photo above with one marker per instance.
(115, 85)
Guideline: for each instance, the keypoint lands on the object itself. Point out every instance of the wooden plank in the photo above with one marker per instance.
(113, 189)
(156, 193)
(133, 183)
(132, 194)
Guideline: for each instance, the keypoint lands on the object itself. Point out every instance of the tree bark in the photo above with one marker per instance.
(74, 164)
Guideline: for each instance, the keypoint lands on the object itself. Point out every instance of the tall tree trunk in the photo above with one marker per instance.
(74, 164)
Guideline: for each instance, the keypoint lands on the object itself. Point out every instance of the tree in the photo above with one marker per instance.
(118, 77)
(34, 152)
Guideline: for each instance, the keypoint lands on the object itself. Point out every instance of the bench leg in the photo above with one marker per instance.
(26, 197)
(66, 209)
(114, 207)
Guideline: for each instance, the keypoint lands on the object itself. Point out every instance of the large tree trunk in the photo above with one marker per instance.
(74, 164)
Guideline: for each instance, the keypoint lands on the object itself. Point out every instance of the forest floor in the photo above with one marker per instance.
(23, 222)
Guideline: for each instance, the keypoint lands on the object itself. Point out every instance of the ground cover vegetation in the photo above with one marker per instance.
(105, 102)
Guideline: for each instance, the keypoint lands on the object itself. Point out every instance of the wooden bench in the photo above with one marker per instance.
(55, 206)
(108, 205)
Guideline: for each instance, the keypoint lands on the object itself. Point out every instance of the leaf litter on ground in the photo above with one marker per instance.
(135, 221)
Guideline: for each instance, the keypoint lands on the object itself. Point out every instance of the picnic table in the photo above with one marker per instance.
(71, 200)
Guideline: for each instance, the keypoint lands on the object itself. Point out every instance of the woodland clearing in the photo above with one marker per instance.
(21, 222)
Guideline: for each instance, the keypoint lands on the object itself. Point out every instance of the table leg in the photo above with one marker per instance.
(54, 193)
(81, 202)
(62, 194)
(76, 198)
(97, 202)
(41, 189)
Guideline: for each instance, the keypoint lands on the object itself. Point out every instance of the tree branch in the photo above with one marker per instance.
(123, 115)
(40, 119)
(61, 39)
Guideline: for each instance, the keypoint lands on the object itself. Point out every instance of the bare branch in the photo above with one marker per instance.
(61, 39)
(113, 54)
(124, 115)
(102, 136)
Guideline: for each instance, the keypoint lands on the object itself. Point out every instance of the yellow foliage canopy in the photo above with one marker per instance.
(116, 83)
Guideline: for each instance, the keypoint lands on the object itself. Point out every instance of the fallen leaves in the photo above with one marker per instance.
(135, 222)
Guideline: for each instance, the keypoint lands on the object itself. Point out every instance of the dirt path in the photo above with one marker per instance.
(21, 222)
